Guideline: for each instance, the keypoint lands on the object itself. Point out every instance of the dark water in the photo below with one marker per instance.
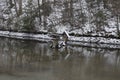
(30, 60)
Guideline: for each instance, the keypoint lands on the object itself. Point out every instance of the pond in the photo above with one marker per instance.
(32, 60)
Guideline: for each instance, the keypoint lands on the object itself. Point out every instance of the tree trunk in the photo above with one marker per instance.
(71, 12)
(16, 10)
(118, 30)
(39, 10)
(6, 2)
(54, 2)
(20, 7)
(11, 3)
(44, 16)
(71, 8)
(44, 22)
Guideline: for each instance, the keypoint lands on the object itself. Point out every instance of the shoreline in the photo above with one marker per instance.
(96, 42)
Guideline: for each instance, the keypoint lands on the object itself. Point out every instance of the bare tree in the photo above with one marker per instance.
(11, 3)
(46, 10)
(54, 2)
(16, 9)
(19, 8)
(71, 15)
(116, 13)
(39, 10)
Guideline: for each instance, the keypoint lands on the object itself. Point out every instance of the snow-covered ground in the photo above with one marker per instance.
(72, 40)
(56, 17)
(38, 37)
(97, 40)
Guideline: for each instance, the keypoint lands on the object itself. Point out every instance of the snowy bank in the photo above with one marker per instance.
(30, 36)
(97, 40)
(72, 40)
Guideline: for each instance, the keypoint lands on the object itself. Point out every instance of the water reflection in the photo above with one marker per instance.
(23, 60)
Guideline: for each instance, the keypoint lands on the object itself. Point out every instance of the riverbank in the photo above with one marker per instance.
(23, 35)
(99, 42)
